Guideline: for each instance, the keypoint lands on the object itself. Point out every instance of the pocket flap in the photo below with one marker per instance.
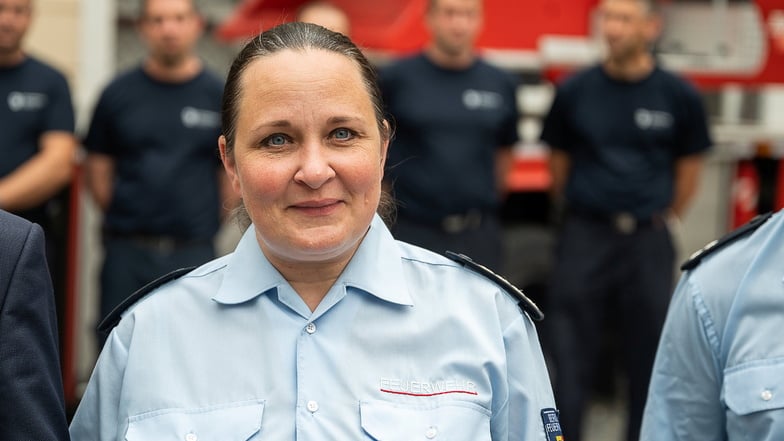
(454, 421)
(754, 388)
(227, 422)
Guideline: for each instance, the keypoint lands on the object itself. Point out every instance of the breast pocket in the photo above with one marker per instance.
(227, 422)
(454, 421)
(754, 394)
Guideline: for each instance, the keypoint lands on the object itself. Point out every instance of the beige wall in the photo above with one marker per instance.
(54, 35)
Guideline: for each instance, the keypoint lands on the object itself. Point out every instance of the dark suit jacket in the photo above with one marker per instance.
(31, 390)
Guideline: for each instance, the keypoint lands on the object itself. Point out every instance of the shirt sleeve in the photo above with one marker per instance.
(530, 398)
(683, 399)
(555, 127)
(694, 133)
(59, 109)
(98, 415)
(99, 134)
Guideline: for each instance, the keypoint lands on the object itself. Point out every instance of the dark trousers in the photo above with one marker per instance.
(129, 264)
(482, 243)
(597, 270)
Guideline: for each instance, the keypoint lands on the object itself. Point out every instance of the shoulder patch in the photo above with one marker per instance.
(718, 244)
(110, 321)
(525, 304)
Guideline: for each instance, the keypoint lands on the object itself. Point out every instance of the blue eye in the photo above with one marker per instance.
(342, 134)
(276, 140)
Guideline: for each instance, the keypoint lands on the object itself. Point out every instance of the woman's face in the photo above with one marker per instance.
(308, 155)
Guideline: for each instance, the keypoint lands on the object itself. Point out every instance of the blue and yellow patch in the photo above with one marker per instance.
(552, 427)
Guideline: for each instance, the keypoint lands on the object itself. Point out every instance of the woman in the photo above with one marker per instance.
(319, 326)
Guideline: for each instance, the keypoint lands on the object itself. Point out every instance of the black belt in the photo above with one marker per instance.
(622, 222)
(451, 223)
(159, 242)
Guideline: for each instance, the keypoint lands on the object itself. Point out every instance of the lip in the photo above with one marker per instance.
(317, 207)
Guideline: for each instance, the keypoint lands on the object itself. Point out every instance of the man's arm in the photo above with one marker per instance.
(503, 165)
(30, 385)
(99, 177)
(687, 177)
(559, 164)
(41, 177)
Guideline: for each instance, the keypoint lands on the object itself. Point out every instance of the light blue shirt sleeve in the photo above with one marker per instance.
(683, 400)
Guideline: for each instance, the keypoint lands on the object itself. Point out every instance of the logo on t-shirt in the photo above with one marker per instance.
(194, 118)
(26, 101)
(652, 119)
(481, 99)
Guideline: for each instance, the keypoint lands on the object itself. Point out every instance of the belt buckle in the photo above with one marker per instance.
(457, 223)
(625, 223)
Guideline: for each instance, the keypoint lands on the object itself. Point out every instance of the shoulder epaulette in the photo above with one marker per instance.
(113, 318)
(696, 258)
(525, 304)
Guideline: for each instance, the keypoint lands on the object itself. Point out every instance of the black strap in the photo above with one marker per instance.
(111, 320)
(718, 244)
(525, 304)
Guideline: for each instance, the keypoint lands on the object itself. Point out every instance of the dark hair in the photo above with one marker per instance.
(300, 36)
(296, 36)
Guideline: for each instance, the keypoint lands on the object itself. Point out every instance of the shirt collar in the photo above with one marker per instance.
(376, 268)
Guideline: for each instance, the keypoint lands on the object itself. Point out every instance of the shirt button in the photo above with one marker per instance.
(311, 328)
(766, 395)
(312, 406)
(431, 432)
(191, 437)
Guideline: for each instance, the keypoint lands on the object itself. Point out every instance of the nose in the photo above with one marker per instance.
(314, 168)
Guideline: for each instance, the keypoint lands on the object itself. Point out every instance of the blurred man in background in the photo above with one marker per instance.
(152, 164)
(325, 14)
(38, 144)
(627, 144)
(456, 123)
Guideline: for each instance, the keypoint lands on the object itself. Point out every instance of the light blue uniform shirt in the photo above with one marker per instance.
(406, 345)
(719, 371)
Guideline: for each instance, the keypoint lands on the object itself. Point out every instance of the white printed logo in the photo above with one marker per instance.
(19, 101)
(481, 99)
(652, 119)
(194, 118)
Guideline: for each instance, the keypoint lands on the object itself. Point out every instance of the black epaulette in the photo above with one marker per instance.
(525, 304)
(696, 258)
(111, 320)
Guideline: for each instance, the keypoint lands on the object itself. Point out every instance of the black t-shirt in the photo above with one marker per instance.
(623, 138)
(34, 99)
(163, 138)
(449, 125)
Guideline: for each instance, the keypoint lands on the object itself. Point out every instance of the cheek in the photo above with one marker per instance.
(259, 181)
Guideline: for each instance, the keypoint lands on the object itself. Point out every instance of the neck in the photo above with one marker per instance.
(630, 68)
(311, 281)
(447, 60)
(13, 58)
(179, 72)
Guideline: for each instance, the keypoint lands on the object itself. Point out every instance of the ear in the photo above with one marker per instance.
(653, 28)
(229, 166)
(385, 146)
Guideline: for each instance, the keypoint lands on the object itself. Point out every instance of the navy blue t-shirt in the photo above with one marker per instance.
(163, 138)
(623, 138)
(35, 100)
(449, 125)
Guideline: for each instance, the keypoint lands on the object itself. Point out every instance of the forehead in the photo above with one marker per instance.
(455, 4)
(157, 7)
(631, 6)
(309, 74)
(16, 3)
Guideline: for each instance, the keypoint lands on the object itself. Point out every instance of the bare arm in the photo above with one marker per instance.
(99, 176)
(41, 177)
(560, 164)
(503, 165)
(687, 177)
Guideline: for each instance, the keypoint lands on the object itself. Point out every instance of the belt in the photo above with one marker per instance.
(622, 222)
(158, 242)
